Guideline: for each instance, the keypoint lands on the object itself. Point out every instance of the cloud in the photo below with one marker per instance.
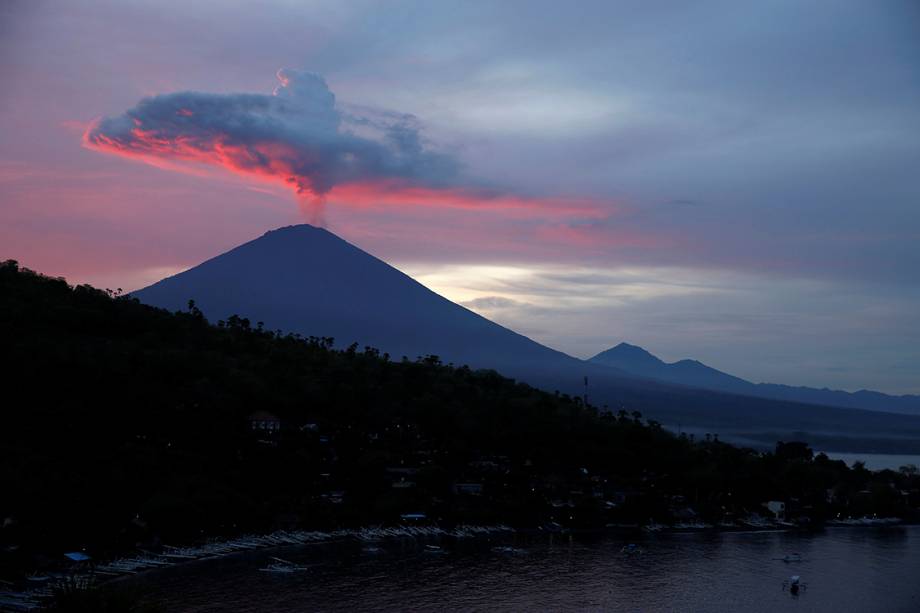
(489, 303)
(297, 136)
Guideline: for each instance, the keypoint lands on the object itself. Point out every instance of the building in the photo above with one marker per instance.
(474, 489)
(263, 421)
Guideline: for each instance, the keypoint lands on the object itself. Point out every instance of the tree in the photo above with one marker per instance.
(795, 450)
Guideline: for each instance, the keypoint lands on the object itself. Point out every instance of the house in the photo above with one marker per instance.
(474, 489)
(264, 421)
(684, 514)
(402, 471)
(77, 556)
(776, 508)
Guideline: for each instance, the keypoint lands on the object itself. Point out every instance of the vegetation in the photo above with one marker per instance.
(126, 425)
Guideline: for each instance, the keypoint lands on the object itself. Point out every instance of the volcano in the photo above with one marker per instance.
(306, 280)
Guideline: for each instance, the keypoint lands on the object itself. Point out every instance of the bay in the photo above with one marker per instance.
(845, 569)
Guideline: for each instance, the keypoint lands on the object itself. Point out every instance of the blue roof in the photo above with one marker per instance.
(413, 516)
(77, 556)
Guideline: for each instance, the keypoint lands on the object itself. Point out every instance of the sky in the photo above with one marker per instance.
(733, 182)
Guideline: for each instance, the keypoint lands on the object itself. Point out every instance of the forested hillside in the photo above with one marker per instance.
(124, 424)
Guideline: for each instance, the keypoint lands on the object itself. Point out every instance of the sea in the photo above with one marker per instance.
(876, 461)
(840, 569)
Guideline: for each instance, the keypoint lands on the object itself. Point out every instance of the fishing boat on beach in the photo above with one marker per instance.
(282, 566)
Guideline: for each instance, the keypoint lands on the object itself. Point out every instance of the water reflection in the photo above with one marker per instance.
(846, 569)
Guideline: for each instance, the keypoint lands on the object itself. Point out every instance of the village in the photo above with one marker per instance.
(416, 481)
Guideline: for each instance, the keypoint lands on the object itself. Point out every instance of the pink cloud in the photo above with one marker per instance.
(297, 138)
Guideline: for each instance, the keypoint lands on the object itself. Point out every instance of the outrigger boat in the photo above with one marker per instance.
(795, 585)
(281, 565)
(508, 549)
(631, 549)
(434, 549)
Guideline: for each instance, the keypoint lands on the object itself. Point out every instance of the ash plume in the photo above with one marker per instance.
(296, 135)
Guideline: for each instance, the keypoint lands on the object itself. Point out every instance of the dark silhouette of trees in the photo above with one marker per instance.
(126, 424)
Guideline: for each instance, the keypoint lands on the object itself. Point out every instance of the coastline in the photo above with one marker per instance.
(95, 575)
(125, 567)
(128, 566)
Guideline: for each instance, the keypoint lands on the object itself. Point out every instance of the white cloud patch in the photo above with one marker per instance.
(491, 303)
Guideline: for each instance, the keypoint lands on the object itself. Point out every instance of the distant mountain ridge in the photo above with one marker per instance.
(638, 361)
(306, 280)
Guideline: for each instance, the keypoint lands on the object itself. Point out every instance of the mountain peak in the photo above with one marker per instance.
(299, 227)
(693, 373)
(305, 279)
(300, 231)
(636, 360)
(624, 353)
(624, 346)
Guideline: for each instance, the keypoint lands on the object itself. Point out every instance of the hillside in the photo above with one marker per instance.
(127, 425)
(637, 361)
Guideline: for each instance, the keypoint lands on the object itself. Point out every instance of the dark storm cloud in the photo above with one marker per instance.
(296, 135)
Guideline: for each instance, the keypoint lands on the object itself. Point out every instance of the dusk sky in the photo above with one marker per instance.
(729, 181)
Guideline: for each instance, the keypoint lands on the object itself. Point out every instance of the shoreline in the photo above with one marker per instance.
(97, 575)
(128, 566)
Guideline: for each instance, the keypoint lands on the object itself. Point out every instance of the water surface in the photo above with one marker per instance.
(876, 461)
(846, 569)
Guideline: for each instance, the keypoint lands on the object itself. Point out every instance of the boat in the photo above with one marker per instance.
(757, 522)
(283, 566)
(691, 525)
(795, 585)
(508, 549)
(631, 549)
(865, 522)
